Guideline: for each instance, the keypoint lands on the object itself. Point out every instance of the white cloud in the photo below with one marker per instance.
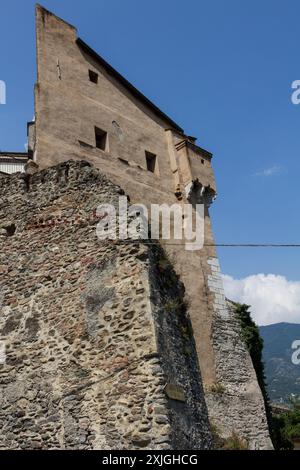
(271, 171)
(273, 298)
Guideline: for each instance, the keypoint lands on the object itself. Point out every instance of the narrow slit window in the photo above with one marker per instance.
(151, 161)
(93, 76)
(101, 139)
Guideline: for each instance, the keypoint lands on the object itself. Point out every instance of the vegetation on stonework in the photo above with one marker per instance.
(233, 442)
(216, 437)
(217, 388)
(173, 305)
(179, 304)
(254, 343)
(165, 266)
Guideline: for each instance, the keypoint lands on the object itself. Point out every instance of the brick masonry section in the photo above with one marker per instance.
(215, 284)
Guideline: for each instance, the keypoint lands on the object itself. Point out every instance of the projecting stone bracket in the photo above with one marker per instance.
(197, 193)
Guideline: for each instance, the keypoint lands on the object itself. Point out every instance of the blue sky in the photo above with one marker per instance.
(221, 69)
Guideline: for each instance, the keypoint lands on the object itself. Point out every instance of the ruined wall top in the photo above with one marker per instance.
(95, 331)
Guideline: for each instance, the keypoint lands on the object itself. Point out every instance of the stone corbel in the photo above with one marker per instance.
(196, 193)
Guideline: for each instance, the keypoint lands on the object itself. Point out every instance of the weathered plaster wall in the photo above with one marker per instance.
(68, 106)
(93, 330)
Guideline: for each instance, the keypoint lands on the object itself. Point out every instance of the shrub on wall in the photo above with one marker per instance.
(254, 342)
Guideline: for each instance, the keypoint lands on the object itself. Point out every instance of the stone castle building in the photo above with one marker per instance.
(108, 345)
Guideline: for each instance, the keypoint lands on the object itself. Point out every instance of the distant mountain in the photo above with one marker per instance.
(282, 376)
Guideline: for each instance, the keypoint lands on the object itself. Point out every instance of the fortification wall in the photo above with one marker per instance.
(236, 405)
(68, 106)
(99, 348)
(55, 275)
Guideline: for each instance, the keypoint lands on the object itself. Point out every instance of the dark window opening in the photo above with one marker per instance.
(10, 230)
(101, 138)
(202, 161)
(93, 76)
(151, 161)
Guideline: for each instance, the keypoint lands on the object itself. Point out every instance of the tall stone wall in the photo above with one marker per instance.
(98, 349)
(93, 332)
(235, 402)
(68, 106)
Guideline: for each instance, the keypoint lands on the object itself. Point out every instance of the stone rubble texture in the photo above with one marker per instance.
(94, 330)
(91, 331)
(236, 407)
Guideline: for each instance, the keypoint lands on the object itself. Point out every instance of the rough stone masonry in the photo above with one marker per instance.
(95, 336)
(98, 342)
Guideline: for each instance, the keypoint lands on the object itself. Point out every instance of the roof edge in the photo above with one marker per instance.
(14, 154)
(195, 147)
(135, 92)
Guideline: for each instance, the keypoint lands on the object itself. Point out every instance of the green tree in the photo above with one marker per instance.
(292, 420)
(254, 343)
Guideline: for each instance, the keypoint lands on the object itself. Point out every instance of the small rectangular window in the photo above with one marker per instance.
(101, 139)
(93, 76)
(151, 161)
